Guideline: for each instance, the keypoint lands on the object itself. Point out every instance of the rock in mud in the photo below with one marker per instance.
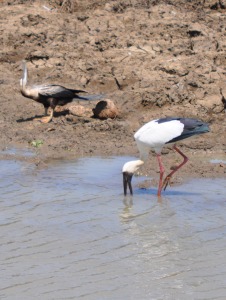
(105, 109)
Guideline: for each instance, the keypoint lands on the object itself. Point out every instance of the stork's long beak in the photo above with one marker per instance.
(127, 178)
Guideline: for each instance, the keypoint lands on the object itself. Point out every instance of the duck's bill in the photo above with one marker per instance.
(127, 179)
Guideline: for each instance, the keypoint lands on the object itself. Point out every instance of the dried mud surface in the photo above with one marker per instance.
(152, 58)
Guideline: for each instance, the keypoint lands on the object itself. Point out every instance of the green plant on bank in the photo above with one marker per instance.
(36, 143)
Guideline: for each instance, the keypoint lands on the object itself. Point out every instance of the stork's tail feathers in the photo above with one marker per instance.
(203, 128)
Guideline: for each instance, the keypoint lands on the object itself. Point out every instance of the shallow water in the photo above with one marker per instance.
(218, 161)
(67, 232)
(18, 152)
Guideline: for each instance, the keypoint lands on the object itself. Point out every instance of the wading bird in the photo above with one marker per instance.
(49, 95)
(155, 134)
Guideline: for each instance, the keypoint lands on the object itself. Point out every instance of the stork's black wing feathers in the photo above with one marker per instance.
(191, 127)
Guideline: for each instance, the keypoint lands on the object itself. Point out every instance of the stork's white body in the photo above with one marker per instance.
(155, 135)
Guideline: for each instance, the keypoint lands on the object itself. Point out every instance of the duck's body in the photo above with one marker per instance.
(154, 135)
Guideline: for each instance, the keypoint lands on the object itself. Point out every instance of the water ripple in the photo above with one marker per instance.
(67, 232)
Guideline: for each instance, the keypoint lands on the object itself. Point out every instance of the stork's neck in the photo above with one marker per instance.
(144, 151)
(139, 163)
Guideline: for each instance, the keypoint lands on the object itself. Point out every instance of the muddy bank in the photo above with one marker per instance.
(152, 59)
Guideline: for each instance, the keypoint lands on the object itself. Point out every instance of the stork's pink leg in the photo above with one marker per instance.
(161, 169)
(168, 177)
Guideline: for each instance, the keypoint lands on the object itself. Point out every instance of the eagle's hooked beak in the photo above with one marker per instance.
(127, 178)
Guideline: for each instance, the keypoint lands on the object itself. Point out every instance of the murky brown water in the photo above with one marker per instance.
(68, 233)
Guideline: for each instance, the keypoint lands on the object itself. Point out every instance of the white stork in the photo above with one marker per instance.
(155, 134)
